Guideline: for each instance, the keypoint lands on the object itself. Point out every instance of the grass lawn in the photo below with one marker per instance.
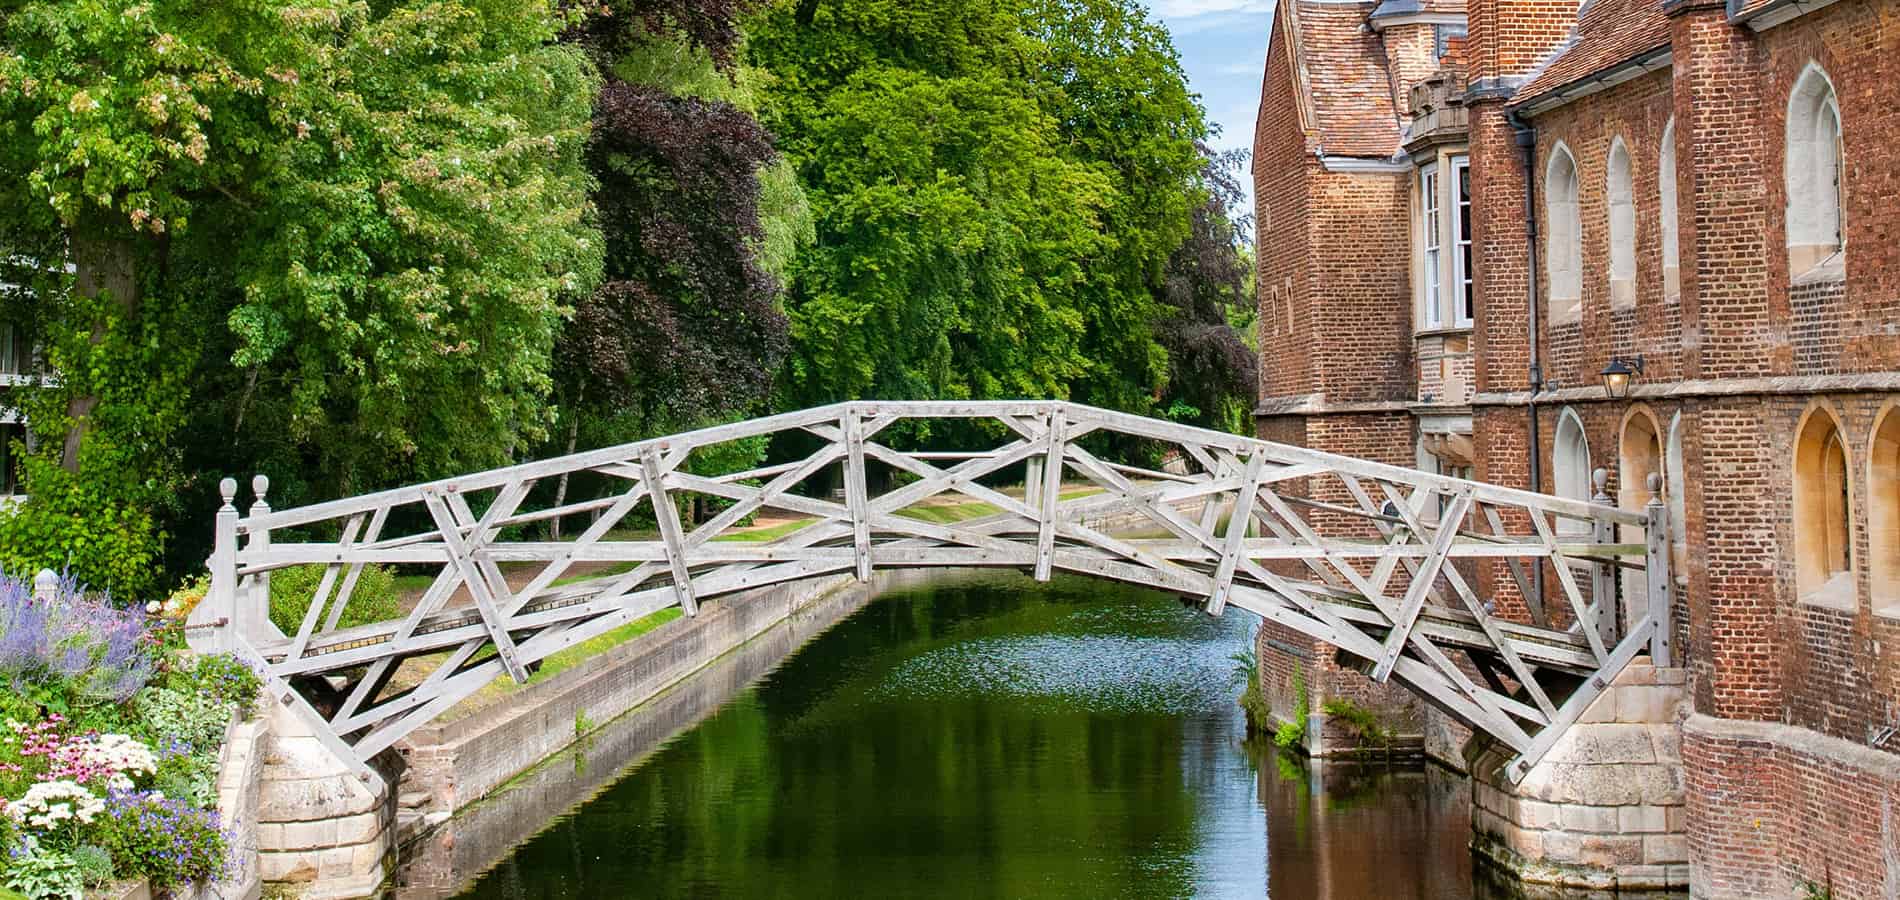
(938, 510)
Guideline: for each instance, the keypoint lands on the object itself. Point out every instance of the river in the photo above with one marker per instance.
(993, 737)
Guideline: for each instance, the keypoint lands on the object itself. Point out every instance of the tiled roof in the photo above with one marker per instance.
(1410, 7)
(1608, 33)
(1343, 66)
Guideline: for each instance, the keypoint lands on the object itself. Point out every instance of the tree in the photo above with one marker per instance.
(952, 233)
(320, 238)
(1213, 375)
(700, 219)
(1110, 78)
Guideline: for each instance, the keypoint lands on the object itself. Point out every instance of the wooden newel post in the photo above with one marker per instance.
(221, 596)
(253, 616)
(1656, 568)
(1603, 574)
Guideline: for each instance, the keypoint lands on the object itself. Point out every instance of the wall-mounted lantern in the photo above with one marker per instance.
(1617, 376)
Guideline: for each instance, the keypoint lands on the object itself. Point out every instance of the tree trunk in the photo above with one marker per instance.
(104, 265)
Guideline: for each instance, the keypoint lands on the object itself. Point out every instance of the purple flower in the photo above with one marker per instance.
(73, 636)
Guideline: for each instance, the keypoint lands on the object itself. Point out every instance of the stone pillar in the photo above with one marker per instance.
(1604, 808)
(320, 828)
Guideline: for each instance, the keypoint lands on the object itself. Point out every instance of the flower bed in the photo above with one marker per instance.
(110, 734)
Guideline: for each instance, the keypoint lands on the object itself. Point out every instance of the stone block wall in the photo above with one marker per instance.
(321, 830)
(1605, 808)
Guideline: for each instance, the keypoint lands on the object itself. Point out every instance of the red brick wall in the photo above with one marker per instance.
(1281, 170)
(1574, 353)
(1500, 321)
(1360, 247)
(1768, 809)
(1510, 37)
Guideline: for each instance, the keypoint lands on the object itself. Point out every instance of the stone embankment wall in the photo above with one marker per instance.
(459, 762)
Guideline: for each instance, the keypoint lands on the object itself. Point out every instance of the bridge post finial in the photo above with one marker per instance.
(253, 610)
(220, 601)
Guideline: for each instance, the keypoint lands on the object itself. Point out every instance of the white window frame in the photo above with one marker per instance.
(1432, 247)
(1463, 299)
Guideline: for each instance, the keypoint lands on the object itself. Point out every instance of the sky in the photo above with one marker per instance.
(1223, 46)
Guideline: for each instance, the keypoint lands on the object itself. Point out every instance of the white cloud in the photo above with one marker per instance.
(1187, 9)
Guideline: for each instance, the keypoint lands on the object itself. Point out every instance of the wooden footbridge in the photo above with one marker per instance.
(1430, 581)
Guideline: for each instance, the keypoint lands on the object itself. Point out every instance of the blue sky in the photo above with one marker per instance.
(1223, 45)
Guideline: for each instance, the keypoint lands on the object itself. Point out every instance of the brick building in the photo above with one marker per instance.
(1468, 211)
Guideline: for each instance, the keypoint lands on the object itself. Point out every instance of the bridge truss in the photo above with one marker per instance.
(1427, 580)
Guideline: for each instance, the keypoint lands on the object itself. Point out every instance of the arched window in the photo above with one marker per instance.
(1813, 171)
(1639, 455)
(1823, 554)
(1563, 243)
(1674, 488)
(1883, 520)
(1666, 184)
(1570, 467)
(1622, 196)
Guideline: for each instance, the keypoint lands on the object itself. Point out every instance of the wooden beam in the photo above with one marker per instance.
(668, 516)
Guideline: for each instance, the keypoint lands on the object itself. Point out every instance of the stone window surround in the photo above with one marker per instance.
(1570, 468)
(1620, 191)
(1883, 511)
(1442, 291)
(1563, 239)
(1669, 214)
(1823, 513)
(1814, 174)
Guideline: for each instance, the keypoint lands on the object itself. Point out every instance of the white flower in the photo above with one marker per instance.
(122, 755)
(152, 608)
(50, 802)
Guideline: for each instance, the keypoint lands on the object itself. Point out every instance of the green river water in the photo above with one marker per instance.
(994, 737)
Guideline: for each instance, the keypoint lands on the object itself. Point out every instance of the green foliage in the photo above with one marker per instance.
(40, 873)
(163, 840)
(356, 223)
(374, 599)
(953, 236)
(1814, 891)
(1365, 724)
(95, 864)
(1292, 733)
(106, 520)
(195, 721)
(1247, 671)
(582, 724)
(226, 679)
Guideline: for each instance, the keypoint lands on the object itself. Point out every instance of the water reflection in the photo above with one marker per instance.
(990, 737)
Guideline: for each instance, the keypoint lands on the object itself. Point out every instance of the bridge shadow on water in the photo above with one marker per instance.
(965, 736)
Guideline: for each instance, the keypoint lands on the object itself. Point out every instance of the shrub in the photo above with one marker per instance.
(163, 839)
(1290, 734)
(75, 649)
(95, 864)
(39, 872)
(226, 679)
(1247, 672)
(1362, 722)
(374, 599)
(192, 722)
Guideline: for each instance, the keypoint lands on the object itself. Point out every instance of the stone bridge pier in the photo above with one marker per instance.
(1604, 808)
